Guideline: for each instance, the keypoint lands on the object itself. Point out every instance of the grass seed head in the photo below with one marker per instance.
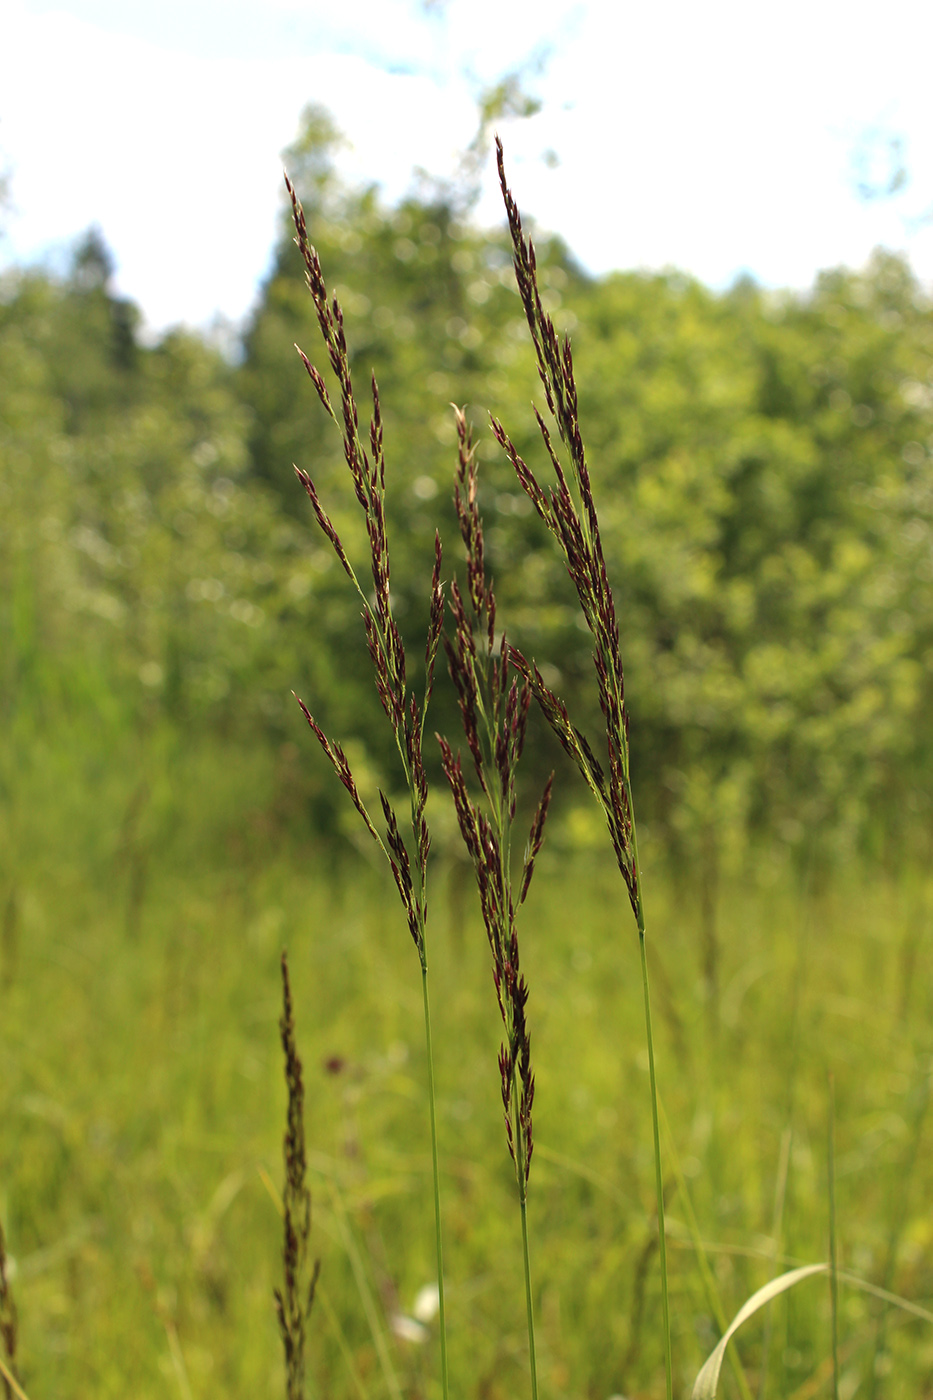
(294, 1300)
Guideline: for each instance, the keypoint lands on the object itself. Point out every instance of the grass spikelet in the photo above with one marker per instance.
(569, 512)
(293, 1302)
(494, 705)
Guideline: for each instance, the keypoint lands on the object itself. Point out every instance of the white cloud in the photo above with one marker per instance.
(711, 137)
(178, 157)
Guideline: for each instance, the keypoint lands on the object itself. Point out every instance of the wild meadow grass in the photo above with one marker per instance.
(143, 1104)
(142, 1194)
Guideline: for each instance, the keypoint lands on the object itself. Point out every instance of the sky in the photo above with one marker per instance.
(721, 138)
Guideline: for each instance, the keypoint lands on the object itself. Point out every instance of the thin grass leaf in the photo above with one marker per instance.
(704, 1387)
(8, 1332)
(344, 1234)
(895, 1300)
(714, 1302)
(12, 1382)
(342, 1343)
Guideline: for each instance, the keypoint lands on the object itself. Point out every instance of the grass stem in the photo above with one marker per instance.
(714, 1302)
(777, 1235)
(658, 1178)
(833, 1272)
(370, 1310)
(342, 1342)
(438, 1240)
(529, 1305)
(12, 1382)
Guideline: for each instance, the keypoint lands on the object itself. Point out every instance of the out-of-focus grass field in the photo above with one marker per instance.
(147, 901)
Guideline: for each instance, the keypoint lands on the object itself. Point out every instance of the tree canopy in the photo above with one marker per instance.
(761, 463)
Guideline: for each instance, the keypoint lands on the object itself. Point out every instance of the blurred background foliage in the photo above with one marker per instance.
(761, 462)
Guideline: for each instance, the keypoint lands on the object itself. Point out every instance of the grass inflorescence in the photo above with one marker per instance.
(294, 1300)
(494, 684)
(494, 705)
(405, 713)
(603, 1326)
(575, 525)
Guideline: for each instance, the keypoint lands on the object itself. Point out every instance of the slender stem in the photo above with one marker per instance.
(523, 1201)
(370, 1310)
(528, 1303)
(833, 1273)
(706, 1274)
(658, 1180)
(777, 1227)
(655, 1111)
(321, 1293)
(12, 1382)
(439, 1246)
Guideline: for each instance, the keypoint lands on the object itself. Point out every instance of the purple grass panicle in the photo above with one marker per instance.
(365, 457)
(574, 523)
(366, 462)
(569, 512)
(293, 1302)
(494, 701)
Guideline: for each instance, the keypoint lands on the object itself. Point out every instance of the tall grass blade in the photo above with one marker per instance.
(342, 1342)
(8, 1323)
(893, 1299)
(178, 1359)
(833, 1272)
(706, 1383)
(713, 1299)
(921, 1099)
(777, 1230)
(438, 1241)
(12, 1384)
(377, 1332)
(658, 1178)
(704, 1387)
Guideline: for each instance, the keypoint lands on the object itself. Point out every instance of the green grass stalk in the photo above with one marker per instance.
(833, 1269)
(12, 1384)
(920, 1101)
(777, 1234)
(658, 1174)
(529, 1302)
(8, 1324)
(370, 1308)
(438, 1240)
(342, 1343)
(714, 1302)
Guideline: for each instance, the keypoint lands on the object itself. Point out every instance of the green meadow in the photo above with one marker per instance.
(143, 1108)
(169, 824)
